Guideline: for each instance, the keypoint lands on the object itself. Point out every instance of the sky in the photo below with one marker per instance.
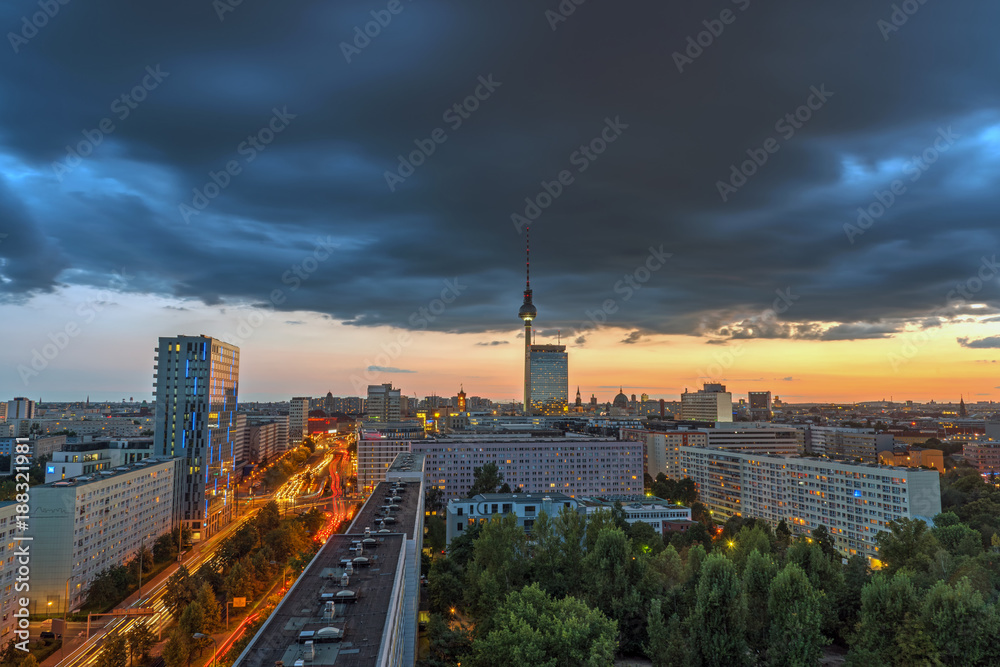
(791, 196)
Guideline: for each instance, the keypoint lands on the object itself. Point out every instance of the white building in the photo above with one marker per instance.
(8, 570)
(854, 501)
(462, 513)
(92, 457)
(759, 437)
(376, 452)
(660, 514)
(85, 525)
(711, 404)
(572, 466)
(663, 449)
(853, 443)
(20, 408)
(298, 419)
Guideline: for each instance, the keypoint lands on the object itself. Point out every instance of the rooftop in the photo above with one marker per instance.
(102, 475)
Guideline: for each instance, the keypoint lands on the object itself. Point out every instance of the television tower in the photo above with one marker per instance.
(527, 313)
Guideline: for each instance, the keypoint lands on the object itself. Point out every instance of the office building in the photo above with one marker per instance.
(298, 420)
(549, 380)
(261, 442)
(383, 403)
(196, 390)
(572, 466)
(89, 523)
(20, 408)
(984, 455)
(356, 603)
(710, 404)
(760, 406)
(661, 515)
(760, 438)
(853, 500)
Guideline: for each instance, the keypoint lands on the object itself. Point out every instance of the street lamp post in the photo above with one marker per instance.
(199, 635)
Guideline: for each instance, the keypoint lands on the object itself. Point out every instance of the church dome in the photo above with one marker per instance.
(621, 400)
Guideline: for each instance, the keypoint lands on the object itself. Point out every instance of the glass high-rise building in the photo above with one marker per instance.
(196, 384)
(549, 379)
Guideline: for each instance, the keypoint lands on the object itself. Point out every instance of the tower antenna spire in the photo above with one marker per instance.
(527, 258)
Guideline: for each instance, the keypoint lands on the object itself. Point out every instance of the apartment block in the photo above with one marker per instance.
(709, 404)
(8, 570)
(89, 523)
(853, 500)
(298, 419)
(663, 449)
(574, 467)
(984, 455)
(376, 452)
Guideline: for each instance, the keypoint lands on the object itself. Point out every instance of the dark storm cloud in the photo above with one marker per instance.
(312, 215)
(983, 343)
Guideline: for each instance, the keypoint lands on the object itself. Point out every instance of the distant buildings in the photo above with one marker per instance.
(663, 449)
(20, 408)
(849, 443)
(82, 526)
(572, 466)
(81, 459)
(712, 403)
(908, 456)
(298, 419)
(262, 442)
(196, 380)
(760, 406)
(854, 501)
(383, 403)
(984, 455)
(376, 452)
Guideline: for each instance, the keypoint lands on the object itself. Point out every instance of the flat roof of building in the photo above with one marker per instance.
(361, 622)
(102, 475)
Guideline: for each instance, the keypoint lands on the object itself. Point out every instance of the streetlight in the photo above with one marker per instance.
(199, 635)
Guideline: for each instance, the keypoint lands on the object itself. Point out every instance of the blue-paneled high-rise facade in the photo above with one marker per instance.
(549, 373)
(196, 385)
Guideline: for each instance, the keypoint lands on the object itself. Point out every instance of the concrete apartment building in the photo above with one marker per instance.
(298, 419)
(573, 466)
(196, 385)
(281, 425)
(663, 449)
(854, 501)
(376, 452)
(260, 442)
(89, 523)
(847, 443)
(8, 571)
(709, 404)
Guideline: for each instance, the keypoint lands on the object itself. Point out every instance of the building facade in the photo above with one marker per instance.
(20, 408)
(90, 523)
(383, 403)
(854, 501)
(298, 419)
(462, 513)
(662, 450)
(760, 405)
(549, 380)
(984, 455)
(574, 467)
(710, 404)
(196, 389)
(376, 452)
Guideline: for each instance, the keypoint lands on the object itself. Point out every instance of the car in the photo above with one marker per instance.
(47, 635)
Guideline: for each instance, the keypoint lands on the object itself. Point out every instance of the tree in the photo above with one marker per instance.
(908, 543)
(885, 602)
(237, 583)
(140, 640)
(532, 628)
(794, 611)
(113, 652)
(717, 624)
(821, 535)
(748, 540)
(783, 536)
(960, 624)
(498, 566)
(180, 591)
(29, 661)
(434, 500)
(666, 647)
(164, 548)
(178, 649)
(210, 606)
(267, 519)
(485, 480)
(645, 538)
(758, 574)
